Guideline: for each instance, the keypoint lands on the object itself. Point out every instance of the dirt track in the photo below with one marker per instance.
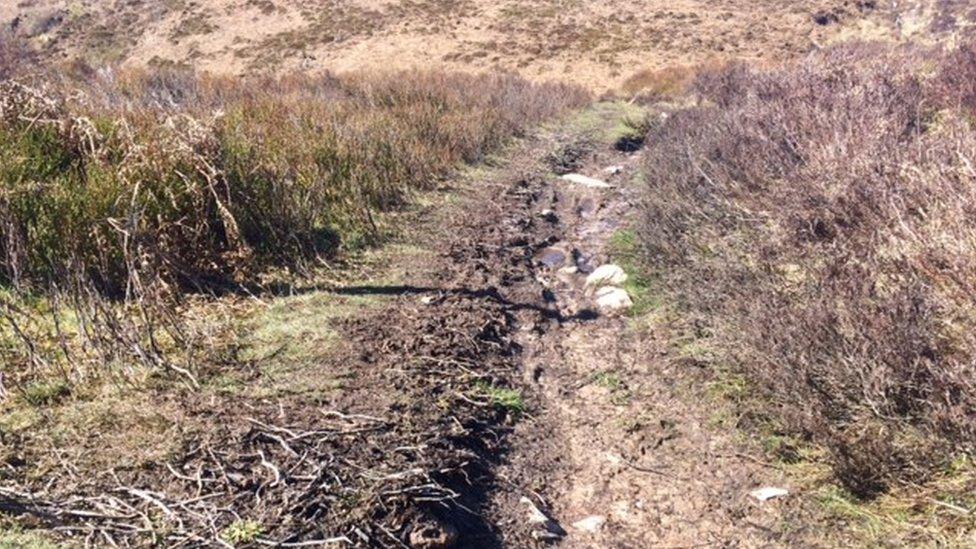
(617, 431)
(485, 390)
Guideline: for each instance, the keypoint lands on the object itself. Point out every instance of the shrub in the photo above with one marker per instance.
(818, 221)
(199, 180)
(649, 85)
(14, 54)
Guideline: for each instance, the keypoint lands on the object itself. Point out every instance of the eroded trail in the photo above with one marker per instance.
(620, 449)
(482, 395)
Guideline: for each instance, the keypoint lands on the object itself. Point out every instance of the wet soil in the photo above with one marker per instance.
(486, 403)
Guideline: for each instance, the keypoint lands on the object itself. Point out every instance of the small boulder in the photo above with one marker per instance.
(612, 299)
(587, 182)
(606, 275)
(768, 493)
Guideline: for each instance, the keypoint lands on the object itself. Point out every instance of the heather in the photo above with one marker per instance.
(815, 222)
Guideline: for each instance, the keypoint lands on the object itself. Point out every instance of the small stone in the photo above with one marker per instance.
(613, 299)
(567, 275)
(434, 535)
(549, 216)
(768, 493)
(585, 181)
(590, 524)
(536, 516)
(548, 529)
(606, 275)
(614, 170)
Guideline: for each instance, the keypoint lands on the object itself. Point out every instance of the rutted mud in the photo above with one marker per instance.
(487, 403)
(620, 452)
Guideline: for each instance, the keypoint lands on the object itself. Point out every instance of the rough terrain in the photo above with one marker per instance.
(470, 392)
(623, 449)
(595, 43)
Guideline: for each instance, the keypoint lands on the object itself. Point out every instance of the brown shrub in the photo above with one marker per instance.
(202, 180)
(820, 219)
(649, 85)
(14, 54)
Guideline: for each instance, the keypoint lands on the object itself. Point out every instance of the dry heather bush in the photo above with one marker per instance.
(196, 180)
(120, 191)
(819, 219)
(649, 85)
(14, 55)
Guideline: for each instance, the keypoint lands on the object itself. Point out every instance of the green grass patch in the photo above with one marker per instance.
(612, 382)
(504, 398)
(242, 531)
(43, 393)
(14, 537)
(625, 250)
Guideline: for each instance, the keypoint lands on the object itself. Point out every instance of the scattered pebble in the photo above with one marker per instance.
(590, 524)
(614, 170)
(768, 493)
(549, 216)
(551, 257)
(536, 516)
(548, 528)
(434, 536)
(567, 275)
(585, 181)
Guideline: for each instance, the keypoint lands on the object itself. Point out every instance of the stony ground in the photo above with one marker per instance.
(622, 447)
(595, 43)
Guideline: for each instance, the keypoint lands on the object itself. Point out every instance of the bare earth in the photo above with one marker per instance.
(595, 43)
(623, 450)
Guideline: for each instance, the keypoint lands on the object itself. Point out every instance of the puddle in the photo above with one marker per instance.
(551, 257)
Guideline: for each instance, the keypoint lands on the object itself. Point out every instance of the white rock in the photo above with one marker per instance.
(567, 274)
(590, 524)
(588, 182)
(606, 275)
(536, 516)
(613, 170)
(546, 528)
(612, 299)
(768, 493)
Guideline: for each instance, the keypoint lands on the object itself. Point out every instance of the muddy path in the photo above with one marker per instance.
(488, 398)
(621, 447)
(616, 443)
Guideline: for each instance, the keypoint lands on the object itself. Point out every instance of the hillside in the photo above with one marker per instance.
(452, 273)
(594, 43)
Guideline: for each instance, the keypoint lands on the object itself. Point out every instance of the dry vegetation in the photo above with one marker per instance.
(126, 197)
(594, 43)
(812, 221)
(815, 222)
(197, 179)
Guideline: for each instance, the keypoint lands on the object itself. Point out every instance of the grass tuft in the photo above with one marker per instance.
(503, 398)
